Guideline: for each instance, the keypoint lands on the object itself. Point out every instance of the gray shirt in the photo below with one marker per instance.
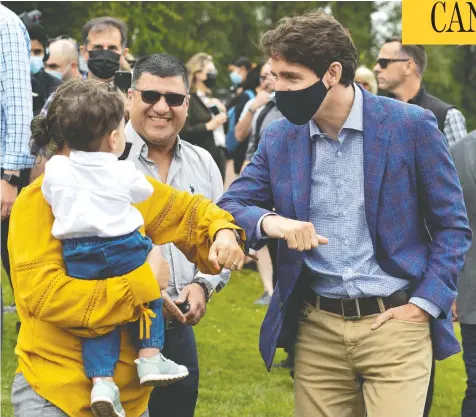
(464, 157)
(272, 115)
(193, 170)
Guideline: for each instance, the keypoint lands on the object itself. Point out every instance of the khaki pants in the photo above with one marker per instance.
(345, 369)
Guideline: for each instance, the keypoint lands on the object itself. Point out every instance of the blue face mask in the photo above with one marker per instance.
(236, 78)
(57, 74)
(36, 64)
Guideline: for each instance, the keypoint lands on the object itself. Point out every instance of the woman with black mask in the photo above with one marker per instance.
(205, 125)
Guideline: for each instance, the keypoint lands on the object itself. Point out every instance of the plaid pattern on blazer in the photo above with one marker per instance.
(411, 187)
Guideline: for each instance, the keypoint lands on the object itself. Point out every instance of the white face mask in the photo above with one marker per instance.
(56, 74)
(59, 74)
(36, 64)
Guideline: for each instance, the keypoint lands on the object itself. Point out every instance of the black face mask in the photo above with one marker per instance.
(211, 80)
(103, 63)
(300, 106)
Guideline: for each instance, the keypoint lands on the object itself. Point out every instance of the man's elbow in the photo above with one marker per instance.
(228, 203)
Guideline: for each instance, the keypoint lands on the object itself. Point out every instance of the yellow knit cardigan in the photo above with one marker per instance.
(56, 310)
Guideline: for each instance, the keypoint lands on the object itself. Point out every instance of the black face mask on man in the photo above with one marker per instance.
(103, 63)
(211, 80)
(301, 105)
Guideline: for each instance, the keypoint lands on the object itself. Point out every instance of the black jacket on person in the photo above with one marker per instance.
(195, 132)
(42, 85)
(437, 106)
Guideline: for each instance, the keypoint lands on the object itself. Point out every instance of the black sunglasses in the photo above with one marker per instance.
(383, 62)
(152, 97)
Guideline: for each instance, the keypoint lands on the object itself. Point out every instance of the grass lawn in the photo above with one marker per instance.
(233, 381)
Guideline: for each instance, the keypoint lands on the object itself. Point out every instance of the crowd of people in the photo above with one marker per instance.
(353, 206)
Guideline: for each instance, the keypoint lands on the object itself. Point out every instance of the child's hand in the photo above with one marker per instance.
(160, 267)
(170, 309)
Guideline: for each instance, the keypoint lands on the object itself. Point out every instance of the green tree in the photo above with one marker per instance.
(227, 30)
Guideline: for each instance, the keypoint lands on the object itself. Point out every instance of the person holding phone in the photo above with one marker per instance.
(205, 124)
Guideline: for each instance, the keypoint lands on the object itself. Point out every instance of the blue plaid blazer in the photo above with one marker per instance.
(414, 207)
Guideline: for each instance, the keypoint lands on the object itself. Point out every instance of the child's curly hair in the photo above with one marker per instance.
(81, 114)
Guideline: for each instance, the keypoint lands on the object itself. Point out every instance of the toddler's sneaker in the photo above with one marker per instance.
(159, 371)
(105, 401)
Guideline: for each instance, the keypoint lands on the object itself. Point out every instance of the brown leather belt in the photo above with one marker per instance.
(355, 308)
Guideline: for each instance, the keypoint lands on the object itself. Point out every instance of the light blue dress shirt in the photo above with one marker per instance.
(346, 267)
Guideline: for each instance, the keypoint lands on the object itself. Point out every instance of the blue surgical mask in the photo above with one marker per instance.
(36, 64)
(57, 74)
(236, 78)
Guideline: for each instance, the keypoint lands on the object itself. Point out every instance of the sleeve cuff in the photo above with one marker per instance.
(218, 281)
(143, 285)
(261, 235)
(220, 224)
(428, 306)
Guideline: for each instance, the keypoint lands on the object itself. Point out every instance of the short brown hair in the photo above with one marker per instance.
(315, 40)
(415, 52)
(82, 113)
(99, 24)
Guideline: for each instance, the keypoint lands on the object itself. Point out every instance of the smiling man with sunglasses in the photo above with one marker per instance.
(158, 107)
(400, 70)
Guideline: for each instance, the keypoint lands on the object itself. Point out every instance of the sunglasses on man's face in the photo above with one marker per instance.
(383, 62)
(152, 97)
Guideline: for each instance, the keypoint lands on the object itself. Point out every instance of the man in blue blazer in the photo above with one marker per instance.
(368, 298)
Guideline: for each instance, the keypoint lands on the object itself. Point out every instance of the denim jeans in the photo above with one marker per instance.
(96, 258)
(27, 403)
(468, 334)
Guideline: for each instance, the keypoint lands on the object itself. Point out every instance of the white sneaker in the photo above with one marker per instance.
(159, 371)
(105, 401)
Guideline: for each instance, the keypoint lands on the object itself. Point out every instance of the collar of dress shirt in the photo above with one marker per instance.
(139, 147)
(355, 119)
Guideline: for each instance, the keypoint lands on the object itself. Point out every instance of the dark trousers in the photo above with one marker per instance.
(180, 398)
(4, 248)
(468, 334)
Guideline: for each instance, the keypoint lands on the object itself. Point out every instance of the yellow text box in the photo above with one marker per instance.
(433, 22)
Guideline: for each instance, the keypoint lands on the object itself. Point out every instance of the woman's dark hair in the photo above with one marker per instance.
(252, 79)
(315, 40)
(81, 114)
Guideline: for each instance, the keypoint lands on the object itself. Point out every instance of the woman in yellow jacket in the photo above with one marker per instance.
(56, 311)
